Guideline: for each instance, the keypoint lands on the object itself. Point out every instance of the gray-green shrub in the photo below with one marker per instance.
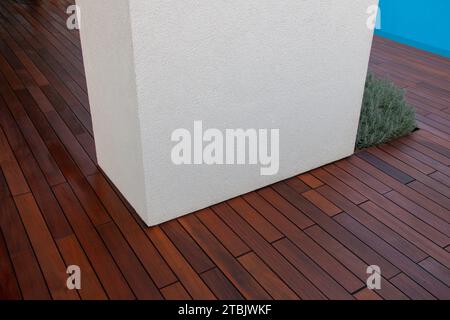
(385, 115)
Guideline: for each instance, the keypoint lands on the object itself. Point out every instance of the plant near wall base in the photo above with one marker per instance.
(385, 115)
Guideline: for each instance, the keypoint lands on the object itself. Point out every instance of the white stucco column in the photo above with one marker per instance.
(154, 66)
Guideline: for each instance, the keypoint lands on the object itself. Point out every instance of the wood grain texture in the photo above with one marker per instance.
(310, 237)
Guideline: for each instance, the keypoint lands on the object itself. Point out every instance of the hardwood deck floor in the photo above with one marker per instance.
(309, 237)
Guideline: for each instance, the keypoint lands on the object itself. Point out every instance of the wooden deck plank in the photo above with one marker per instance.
(379, 228)
(435, 268)
(398, 212)
(11, 170)
(301, 286)
(60, 48)
(352, 262)
(411, 288)
(299, 238)
(430, 193)
(187, 246)
(175, 291)
(409, 193)
(407, 233)
(23, 132)
(73, 254)
(17, 24)
(27, 271)
(133, 271)
(9, 288)
(240, 278)
(312, 271)
(4, 190)
(414, 271)
(367, 294)
(257, 221)
(31, 47)
(431, 140)
(141, 245)
(351, 194)
(310, 180)
(283, 206)
(442, 178)
(47, 253)
(393, 207)
(106, 269)
(34, 71)
(311, 236)
(220, 285)
(187, 276)
(322, 203)
(419, 212)
(54, 122)
(422, 152)
(224, 233)
(332, 227)
(413, 172)
(29, 275)
(266, 277)
(385, 167)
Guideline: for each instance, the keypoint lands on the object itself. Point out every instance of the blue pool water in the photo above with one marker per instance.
(424, 24)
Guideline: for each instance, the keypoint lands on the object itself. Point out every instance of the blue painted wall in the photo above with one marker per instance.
(421, 23)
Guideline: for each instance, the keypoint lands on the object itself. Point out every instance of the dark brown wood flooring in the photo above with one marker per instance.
(309, 237)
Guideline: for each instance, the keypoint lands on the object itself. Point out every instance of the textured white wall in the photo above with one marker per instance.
(294, 65)
(108, 59)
